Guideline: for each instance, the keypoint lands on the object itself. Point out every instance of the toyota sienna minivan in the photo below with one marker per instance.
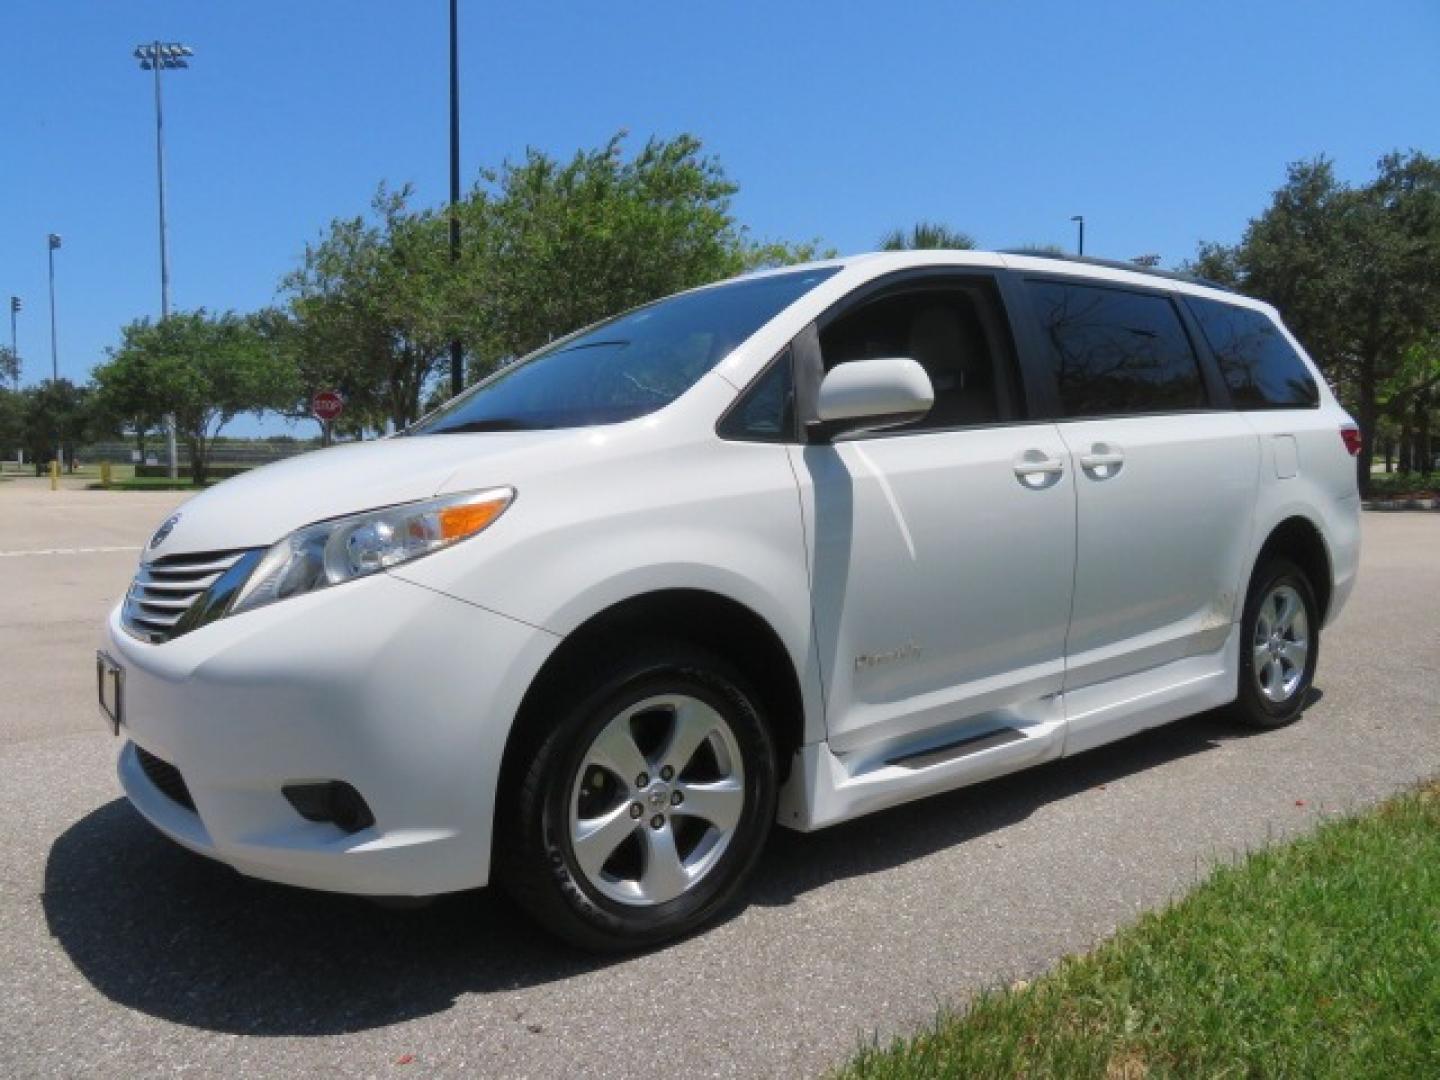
(786, 549)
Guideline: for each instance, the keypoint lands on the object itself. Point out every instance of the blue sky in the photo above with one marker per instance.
(1162, 122)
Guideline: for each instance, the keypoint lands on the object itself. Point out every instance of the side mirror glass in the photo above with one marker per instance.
(865, 395)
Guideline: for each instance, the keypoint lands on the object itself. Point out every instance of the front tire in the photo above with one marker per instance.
(638, 813)
(1279, 645)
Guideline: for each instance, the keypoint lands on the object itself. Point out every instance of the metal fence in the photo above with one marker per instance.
(247, 454)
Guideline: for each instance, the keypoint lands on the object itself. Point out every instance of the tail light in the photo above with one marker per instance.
(1350, 435)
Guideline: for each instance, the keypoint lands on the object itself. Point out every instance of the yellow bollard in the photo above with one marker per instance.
(105, 474)
(55, 475)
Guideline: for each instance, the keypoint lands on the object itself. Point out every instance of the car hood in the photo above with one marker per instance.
(258, 507)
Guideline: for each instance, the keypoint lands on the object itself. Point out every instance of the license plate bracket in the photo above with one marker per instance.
(110, 689)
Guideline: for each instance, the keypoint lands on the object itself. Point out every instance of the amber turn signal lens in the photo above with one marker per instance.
(458, 522)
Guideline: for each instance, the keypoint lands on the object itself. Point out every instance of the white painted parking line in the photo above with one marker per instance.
(66, 551)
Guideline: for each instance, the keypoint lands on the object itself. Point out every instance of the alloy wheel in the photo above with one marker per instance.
(1281, 643)
(656, 800)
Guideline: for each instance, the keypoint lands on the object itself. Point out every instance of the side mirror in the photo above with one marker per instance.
(864, 395)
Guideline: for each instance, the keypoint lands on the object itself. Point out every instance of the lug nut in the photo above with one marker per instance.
(667, 773)
(657, 821)
(676, 798)
(636, 810)
(643, 780)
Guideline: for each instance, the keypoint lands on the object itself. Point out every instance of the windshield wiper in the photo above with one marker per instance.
(498, 423)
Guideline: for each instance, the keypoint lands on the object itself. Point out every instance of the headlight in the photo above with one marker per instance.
(357, 545)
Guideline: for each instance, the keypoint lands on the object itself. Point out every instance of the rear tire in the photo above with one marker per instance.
(640, 801)
(1279, 645)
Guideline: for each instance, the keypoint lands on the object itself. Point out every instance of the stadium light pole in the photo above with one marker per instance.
(1080, 218)
(54, 246)
(161, 56)
(15, 305)
(457, 361)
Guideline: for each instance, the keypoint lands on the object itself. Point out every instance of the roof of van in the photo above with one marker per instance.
(1036, 261)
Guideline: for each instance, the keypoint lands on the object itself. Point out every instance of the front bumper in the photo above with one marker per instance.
(404, 693)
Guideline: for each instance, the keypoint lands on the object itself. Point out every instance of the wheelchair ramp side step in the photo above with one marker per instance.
(973, 744)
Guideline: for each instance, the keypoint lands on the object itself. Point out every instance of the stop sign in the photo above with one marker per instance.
(327, 405)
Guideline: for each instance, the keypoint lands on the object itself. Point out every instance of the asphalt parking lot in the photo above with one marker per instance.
(124, 954)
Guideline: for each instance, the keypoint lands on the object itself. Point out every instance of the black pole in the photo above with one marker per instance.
(160, 186)
(457, 360)
(14, 341)
(54, 241)
(54, 348)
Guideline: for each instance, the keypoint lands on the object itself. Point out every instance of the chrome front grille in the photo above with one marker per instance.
(177, 593)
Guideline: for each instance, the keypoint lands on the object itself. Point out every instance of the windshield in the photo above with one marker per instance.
(627, 367)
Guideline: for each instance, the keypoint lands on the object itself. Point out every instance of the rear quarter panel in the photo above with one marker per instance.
(1307, 472)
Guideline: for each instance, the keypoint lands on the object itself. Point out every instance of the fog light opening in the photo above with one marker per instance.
(331, 801)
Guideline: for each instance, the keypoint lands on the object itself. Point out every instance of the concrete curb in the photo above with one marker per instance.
(1401, 504)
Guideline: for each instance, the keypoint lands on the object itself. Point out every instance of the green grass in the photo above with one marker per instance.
(1388, 485)
(146, 483)
(1318, 957)
(123, 478)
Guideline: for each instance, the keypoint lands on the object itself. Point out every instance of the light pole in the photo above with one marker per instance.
(1081, 219)
(161, 56)
(15, 306)
(54, 245)
(457, 364)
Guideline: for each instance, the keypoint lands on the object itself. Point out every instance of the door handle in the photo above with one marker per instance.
(1103, 461)
(1037, 469)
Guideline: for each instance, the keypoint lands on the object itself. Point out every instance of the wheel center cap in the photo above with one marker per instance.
(658, 795)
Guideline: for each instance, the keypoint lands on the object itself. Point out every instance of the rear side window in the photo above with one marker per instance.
(1116, 352)
(1259, 364)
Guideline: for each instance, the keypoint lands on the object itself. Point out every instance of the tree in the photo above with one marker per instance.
(205, 369)
(369, 309)
(314, 368)
(1216, 263)
(1411, 397)
(549, 246)
(53, 413)
(9, 367)
(127, 399)
(1356, 272)
(12, 420)
(926, 235)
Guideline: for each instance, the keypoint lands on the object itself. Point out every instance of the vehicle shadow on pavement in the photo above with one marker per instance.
(157, 929)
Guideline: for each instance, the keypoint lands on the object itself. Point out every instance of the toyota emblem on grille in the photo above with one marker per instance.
(163, 531)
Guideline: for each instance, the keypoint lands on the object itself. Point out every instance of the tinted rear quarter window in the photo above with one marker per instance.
(1115, 351)
(1260, 366)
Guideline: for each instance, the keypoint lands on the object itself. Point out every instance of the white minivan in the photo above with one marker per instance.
(789, 548)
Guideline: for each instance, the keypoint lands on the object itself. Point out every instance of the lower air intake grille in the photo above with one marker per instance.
(165, 777)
